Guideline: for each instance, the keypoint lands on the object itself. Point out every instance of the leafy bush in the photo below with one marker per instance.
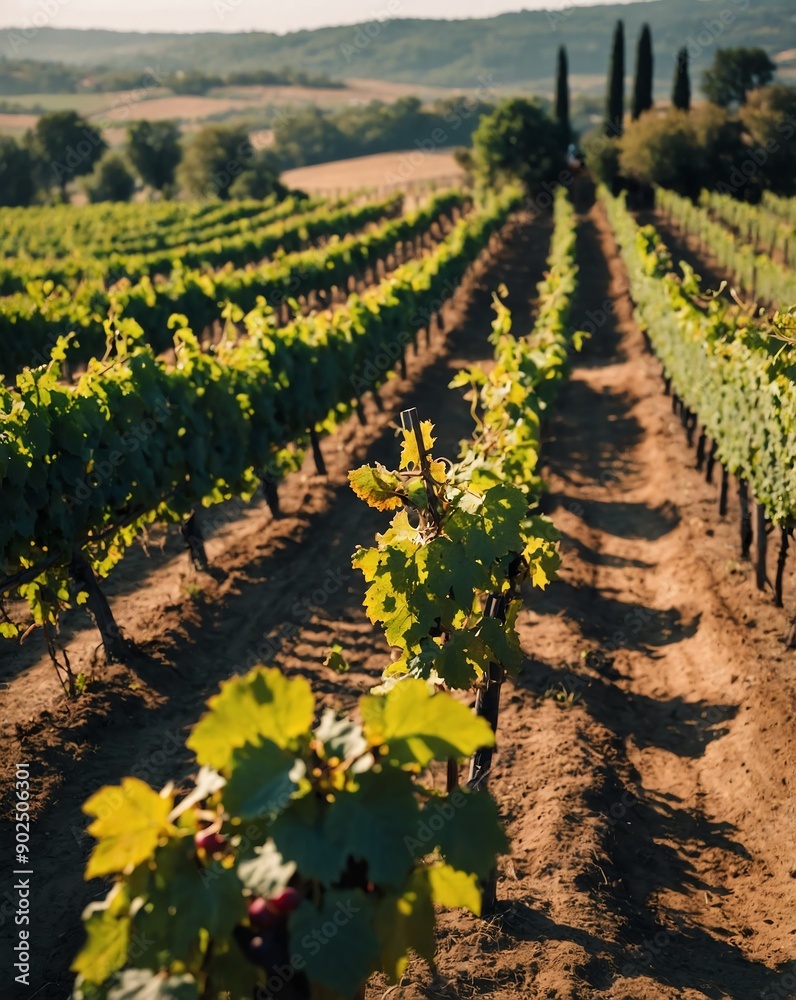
(518, 140)
(111, 180)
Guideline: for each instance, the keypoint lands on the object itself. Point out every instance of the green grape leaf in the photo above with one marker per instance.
(131, 819)
(369, 822)
(468, 830)
(335, 659)
(181, 901)
(262, 703)
(300, 837)
(337, 943)
(503, 640)
(406, 921)
(107, 925)
(262, 780)
(418, 726)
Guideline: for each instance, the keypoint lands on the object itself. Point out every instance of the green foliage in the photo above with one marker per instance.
(642, 83)
(602, 157)
(681, 88)
(518, 141)
(734, 73)
(755, 273)
(16, 173)
(468, 530)
(204, 296)
(141, 439)
(111, 180)
(613, 124)
(729, 368)
(213, 159)
(155, 151)
(175, 923)
(65, 146)
(259, 180)
(682, 151)
(769, 119)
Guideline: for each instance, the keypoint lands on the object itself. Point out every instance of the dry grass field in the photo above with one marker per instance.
(382, 171)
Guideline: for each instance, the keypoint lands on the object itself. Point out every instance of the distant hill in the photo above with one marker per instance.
(512, 50)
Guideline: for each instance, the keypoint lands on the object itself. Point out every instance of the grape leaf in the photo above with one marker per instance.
(470, 836)
(410, 456)
(370, 821)
(301, 838)
(262, 703)
(406, 921)
(131, 819)
(378, 487)
(419, 726)
(183, 900)
(262, 780)
(338, 943)
(107, 925)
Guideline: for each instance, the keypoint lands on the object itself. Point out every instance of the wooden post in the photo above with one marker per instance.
(700, 455)
(452, 775)
(377, 399)
(272, 497)
(761, 539)
(360, 411)
(711, 462)
(194, 539)
(487, 705)
(97, 604)
(317, 454)
(746, 518)
(725, 483)
(784, 538)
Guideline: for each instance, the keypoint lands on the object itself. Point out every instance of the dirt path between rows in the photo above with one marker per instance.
(285, 590)
(647, 749)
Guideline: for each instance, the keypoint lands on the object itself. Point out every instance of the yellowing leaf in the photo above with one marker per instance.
(131, 819)
(377, 487)
(261, 704)
(409, 453)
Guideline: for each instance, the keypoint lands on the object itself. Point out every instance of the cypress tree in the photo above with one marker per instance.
(642, 90)
(615, 104)
(562, 94)
(681, 92)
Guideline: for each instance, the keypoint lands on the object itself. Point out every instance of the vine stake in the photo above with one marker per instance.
(97, 604)
(761, 539)
(487, 705)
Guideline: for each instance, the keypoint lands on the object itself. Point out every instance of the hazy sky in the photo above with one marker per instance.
(241, 15)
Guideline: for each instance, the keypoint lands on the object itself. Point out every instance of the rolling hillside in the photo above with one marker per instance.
(509, 50)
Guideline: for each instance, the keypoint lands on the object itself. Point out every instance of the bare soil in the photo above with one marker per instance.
(646, 750)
